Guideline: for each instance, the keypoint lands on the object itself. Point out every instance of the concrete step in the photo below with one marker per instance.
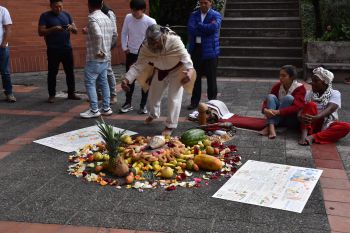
(261, 41)
(233, 1)
(261, 51)
(262, 13)
(262, 22)
(249, 72)
(262, 5)
(259, 61)
(260, 32)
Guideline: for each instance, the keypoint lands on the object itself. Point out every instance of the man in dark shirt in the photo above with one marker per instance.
(56, 25)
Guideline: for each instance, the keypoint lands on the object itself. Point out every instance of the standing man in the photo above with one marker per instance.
(5, 30)
(55, 26)
(98, 55)
(203, 29)
(173, 70)
(133, 34)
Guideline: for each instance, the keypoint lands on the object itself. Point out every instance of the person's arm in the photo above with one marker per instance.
(6, 35)
(212, 27)
(308, 119)
(124, 37)
(43, 31)
(95, 30)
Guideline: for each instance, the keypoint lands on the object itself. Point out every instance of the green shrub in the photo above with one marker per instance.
(335, 20)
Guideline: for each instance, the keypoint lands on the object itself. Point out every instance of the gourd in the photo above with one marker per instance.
(208, 162)
(192, 137)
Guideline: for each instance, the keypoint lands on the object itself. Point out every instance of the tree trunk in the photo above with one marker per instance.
(319, 31)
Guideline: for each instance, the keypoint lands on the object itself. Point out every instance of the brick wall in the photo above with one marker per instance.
(28, 50)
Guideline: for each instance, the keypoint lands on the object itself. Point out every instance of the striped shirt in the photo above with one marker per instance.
(99, 36)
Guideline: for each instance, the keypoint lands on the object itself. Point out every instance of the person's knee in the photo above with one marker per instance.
(288, 99)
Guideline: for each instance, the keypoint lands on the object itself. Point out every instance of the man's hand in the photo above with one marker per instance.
(84, 30)
(307, 119)
(125, 85)
(100, 55)
(188, 73)
(127, 52)
(72, 28)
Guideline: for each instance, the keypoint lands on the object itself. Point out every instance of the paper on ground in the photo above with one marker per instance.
(74, 140)
(271, 185)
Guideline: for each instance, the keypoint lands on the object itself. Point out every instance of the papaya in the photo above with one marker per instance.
(208, 162)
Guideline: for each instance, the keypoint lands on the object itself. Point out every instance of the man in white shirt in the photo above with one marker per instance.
(133, 34)
(5, 30)
(98, 54)
(173, 70)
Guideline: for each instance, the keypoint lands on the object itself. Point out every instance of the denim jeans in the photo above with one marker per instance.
(5, 70)
(97, 71)
(274, 103)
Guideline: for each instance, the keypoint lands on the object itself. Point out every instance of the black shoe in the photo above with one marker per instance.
(191, 107)
(73, 97)
(51, 99)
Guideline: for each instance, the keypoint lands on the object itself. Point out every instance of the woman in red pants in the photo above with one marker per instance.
(319, 117)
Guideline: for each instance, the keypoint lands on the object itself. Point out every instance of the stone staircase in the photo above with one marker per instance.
(257, 37)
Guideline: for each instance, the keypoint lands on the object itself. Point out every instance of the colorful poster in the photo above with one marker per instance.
(74, 140)
(271, 185)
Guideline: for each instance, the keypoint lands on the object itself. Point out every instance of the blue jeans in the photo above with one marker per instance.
(97, 71)
(5, 70)
(274, 103)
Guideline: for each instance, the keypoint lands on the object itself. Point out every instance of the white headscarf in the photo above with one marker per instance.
(323, 74)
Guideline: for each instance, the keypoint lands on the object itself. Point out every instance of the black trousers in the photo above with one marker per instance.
(131, 59)
(203, 67)
(54, 58)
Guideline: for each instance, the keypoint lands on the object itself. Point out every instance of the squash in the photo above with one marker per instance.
(208, 162)
(192, 137)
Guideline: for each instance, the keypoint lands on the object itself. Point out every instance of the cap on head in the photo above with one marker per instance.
(153, 32)
(325, 75)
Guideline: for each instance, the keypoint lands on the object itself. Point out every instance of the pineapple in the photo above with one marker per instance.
(116, 163)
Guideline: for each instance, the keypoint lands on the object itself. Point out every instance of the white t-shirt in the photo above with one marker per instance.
(134, 31)
(334, 98)
(5, 19)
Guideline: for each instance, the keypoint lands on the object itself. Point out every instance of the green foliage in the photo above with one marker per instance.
(335, 20)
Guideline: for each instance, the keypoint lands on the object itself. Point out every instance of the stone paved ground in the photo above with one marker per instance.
(35, 187)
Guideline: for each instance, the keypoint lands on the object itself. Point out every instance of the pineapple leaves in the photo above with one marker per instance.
(111, 138)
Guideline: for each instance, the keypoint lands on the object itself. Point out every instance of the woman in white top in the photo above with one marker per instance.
(319, 117)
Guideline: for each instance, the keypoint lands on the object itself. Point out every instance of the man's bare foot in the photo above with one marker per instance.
(167, 131)
(148, 120)
(303, 136)
(272, 136)
(264, 131)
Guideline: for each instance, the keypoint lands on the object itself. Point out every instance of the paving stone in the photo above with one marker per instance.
(193, 225)
(157, 223)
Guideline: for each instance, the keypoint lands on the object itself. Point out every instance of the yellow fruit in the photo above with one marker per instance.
(206, 142)
(98, 156)
(167, 172)
(209, 150)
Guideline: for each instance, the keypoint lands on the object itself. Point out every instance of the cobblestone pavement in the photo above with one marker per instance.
(35, 186)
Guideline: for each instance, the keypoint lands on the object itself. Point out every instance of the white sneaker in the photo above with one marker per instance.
(90, 114)
(126, 108)
(106, 112)
(142, 110)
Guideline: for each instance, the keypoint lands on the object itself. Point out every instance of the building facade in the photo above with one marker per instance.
(28, 50)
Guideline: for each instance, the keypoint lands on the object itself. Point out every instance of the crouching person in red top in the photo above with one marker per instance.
(319, 117)
(283, 103)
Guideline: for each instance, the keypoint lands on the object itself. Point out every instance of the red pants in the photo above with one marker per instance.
(333, 133)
